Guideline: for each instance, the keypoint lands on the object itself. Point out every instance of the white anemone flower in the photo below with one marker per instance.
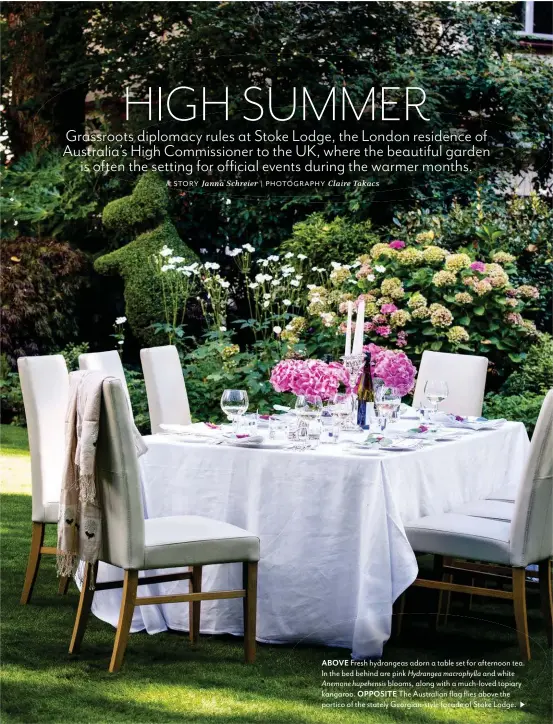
(288, 255)
(294, 283)
(266, 296)
(371, 277)
(380, 269)
(166, 251)
(120, 320)
(302, 257)
(222, 329)
(277, 329)
(248, 247)
(167, 267)
(265, 304)
(335, 265)
(273, 257)
(253, 285)
(286, 302)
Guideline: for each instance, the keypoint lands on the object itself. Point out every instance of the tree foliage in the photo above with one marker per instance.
(40, 282)
(464, 54)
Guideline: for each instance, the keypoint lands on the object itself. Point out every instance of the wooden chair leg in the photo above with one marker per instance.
(130, 585)
(250, 610)
(83, 610)
(37, 539)
(521, 619)
(398, 614)
(63, 585)
(444, 597)
(194, 609)
(546, 597)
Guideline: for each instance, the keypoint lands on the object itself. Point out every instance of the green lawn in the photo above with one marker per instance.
(164, 679)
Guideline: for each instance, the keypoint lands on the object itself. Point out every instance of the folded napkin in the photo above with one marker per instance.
(468, 422)
(195, 429)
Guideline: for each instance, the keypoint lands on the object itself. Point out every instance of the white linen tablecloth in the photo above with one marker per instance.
(334, 555)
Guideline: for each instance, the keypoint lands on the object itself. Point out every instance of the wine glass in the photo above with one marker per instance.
(342, 408)
(234, 403)
(387, 401)
(435, 391)
(309, 407)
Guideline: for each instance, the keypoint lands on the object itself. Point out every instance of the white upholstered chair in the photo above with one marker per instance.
(135, 544)
(108, 362)
(465, 375)
(165, 386)
(45, 388)
(527, 539)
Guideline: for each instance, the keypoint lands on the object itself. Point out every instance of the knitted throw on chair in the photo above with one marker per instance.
(80, 516)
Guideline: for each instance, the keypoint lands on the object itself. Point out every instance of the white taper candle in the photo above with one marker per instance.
(347, 350)
(359, 329)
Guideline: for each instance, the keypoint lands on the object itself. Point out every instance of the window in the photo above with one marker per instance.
(536, 18)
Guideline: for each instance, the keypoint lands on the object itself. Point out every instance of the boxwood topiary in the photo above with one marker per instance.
(145, 213)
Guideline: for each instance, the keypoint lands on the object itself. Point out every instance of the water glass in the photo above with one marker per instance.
(277, 427)
(331, 426)
(234, 403)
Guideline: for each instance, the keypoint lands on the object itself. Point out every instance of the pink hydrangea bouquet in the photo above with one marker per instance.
(309, 377)
(393, 367)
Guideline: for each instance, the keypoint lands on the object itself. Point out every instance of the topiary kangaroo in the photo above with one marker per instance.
(147, 206)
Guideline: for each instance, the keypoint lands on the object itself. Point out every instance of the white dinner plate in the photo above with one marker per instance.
(402, 445)
(251, 441)
(189, 437)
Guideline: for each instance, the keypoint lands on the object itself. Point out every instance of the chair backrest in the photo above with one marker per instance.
(465, 375)
(45, 388)
(118, 481)
(108, 362)
(165, 387)
(532, 523)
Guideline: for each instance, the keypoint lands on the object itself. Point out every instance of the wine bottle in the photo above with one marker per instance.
(365, 392)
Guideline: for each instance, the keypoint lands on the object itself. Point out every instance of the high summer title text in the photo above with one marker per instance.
(387, 103)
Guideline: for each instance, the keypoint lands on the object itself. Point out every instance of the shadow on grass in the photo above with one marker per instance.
(165, 679)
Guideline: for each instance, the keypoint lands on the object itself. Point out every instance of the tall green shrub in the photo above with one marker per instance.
(143, 214)
(324, 241)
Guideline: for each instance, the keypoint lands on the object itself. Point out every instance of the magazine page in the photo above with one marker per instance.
(276, 362)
